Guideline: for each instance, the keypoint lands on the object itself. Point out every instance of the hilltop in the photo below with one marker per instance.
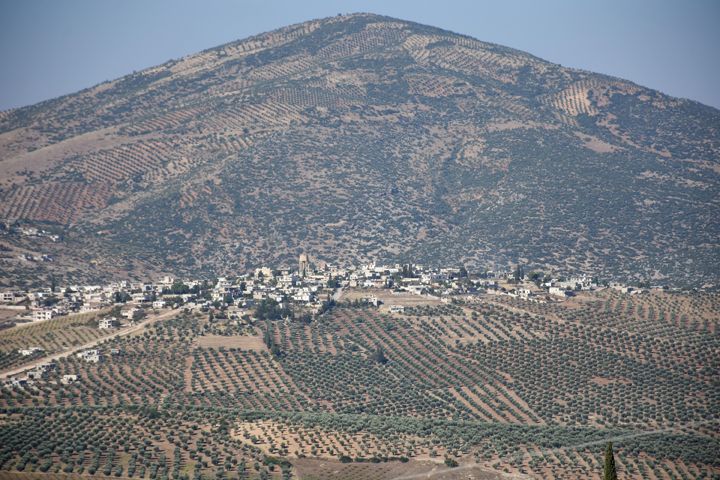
(361, 137)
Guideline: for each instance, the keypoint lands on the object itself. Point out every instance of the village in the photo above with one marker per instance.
(266, 294)
(287, 340)
(308, 287)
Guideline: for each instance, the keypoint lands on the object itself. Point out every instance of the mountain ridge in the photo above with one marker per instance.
(362, 137)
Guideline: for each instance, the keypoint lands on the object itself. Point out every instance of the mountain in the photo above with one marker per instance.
(361, 137)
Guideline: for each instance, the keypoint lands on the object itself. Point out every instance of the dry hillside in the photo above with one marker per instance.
(359, 137)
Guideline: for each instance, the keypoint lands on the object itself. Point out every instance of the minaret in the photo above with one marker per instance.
(302, 265)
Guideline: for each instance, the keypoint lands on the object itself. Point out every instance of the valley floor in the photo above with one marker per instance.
(502, 387)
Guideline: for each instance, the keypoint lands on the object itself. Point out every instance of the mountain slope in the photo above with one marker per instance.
(362, 137)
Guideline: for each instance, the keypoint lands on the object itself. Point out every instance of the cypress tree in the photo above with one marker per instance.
(610, 473)
(269, 338)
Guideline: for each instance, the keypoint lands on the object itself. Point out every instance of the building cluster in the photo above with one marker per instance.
(41, 373)
(36, 374)
(309, 286)
(27, 231)
(308, 289)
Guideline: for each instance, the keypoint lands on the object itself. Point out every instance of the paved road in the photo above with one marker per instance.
(66, 353)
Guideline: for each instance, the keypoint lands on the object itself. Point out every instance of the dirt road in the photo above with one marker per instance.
(65, 353)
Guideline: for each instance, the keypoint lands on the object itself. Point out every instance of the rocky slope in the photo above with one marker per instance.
(361, 137)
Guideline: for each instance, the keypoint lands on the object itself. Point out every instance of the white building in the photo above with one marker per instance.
(68, 379)
(415, 289)
(372, 300)
(10, 297)
(621, 287)
(524, 293)
(558, 292)
(107, 323)
(42, 314)
(433, 277)
(138, 298)
(303, 296)
(90, 356)
(26, 352)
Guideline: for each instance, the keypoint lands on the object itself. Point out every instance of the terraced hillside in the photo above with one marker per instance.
(499, 386)
(362, 137)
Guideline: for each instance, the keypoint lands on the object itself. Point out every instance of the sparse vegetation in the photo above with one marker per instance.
(252, 152)
(361, 137)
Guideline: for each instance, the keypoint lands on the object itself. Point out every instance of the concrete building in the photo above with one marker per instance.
(90, 356)
(107, 323)
(42, 314)
(26, 352)
(68, 379)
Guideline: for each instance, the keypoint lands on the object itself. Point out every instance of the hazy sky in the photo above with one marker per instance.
(52, 47)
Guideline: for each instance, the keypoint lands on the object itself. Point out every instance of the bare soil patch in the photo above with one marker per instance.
(244, 342)
(6, 316)
(322, 469)
(602, 381)
(388, 297)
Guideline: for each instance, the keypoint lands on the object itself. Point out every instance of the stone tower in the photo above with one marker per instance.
(303, 264)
